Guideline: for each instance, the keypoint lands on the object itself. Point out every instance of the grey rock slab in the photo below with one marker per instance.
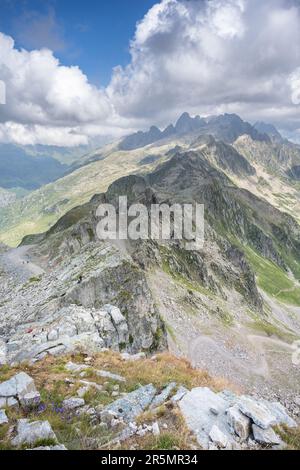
(3, 417)
(110, 375)
(30, 400)
(18, 386)
(238, 422)
(195, 407)
(265, 436)
(133, 404)
(133, 357)
(71, 367)
(73, 403)
(257, 411)
(280, 413)
(163, 396)
(30, 433)
(218, 437)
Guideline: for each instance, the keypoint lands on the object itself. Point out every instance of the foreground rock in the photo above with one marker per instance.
(31, 433)
(71, 404)
(131, 405)
(12, 391)
(224, 420)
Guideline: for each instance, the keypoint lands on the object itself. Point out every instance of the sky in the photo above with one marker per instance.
(76, 70)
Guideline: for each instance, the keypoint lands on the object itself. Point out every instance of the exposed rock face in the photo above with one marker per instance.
(69, 328)
(226, 420)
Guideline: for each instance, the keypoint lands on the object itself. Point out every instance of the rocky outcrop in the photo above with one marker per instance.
(230, 421)
(69, 329)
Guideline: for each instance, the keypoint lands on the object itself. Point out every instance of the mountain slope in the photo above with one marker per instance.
(214, 303)
(265, 168)
(18, 169)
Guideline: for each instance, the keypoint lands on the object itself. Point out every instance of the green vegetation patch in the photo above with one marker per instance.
(272, 279)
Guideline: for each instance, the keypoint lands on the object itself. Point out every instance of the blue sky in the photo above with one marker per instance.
(93, 34)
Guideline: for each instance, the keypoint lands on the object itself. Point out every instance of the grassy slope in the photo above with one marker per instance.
(273, 280)
(77, 432)
(38, 211)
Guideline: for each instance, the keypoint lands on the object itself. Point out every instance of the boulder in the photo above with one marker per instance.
(71, 404)
(30, 400)
(131, 405)
(14, 389)
(238, 422)
(265, 436)
(119, 322)
(31, 433)
(195, 407)
(257, 411)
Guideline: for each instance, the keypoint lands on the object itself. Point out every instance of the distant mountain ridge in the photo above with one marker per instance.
(19, 169)
(227, 127)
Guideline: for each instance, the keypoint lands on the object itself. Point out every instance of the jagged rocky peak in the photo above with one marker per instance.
(270, 130)
(186, 123)
(229, 127)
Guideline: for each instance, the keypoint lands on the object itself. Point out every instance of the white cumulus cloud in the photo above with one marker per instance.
(201, 56)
